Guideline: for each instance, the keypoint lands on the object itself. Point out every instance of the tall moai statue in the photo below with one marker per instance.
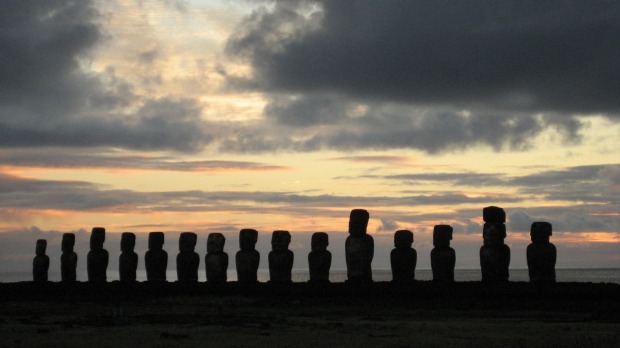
(216, 260)
(494, 254)
(319, 259)
(68, 259)
(187, 259)
(97, 258)
(156, 258)
(403, 257)
(443, 257)
(280, 258)
(128, 260)
(247, 259)
(541, 254)
(359, 248)
(41, 262)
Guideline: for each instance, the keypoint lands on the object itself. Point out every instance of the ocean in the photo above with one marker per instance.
(587, 275)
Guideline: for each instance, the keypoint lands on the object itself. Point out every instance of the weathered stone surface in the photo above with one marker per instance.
(128, 260)
(187, 259)
(494, 214)
(358, 222)
(156, 259)
(319, 259)
(541, 254)
(68, 259)
(494, 254)
(41, 262)
(216, 260)
(403, 257)
(493, 231)
(359, 248)
(443, 257)
(247, 259)
(97, 258)
(280, 258)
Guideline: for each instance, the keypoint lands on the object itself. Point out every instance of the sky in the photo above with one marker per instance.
(213, 116)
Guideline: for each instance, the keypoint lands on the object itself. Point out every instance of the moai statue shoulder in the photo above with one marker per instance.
(216, 260)
(359, 248)
(187, 259)
(319, 259)
(443, 257)
(97, 258)
(280, 258)
(494, 254)
(41, 262)
(403, 257)
(247, 259)
(541, 254)
(128, 260)
(68, 259)
(156, 258)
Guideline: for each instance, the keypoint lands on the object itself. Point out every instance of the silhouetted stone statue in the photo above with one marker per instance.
(359, 248)
(128, 261)
(280, 258)
(187, 259)
(216, 260)
(247, 259)
(541, 255)
(68, 259)
(403, 257)
(319, 259)
(443, 257)
(97, 258)
(494, 254)
(156, 259)
(41, 262)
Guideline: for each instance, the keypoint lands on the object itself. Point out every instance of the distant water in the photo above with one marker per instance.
(592, 275)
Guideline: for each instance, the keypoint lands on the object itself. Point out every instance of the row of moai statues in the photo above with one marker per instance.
(359, 252)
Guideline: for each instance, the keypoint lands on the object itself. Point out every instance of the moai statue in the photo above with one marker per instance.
(128, 261)
(247, 258)
(156, 259)
(443, 257)
(403, 257)
(41, 262)
(494, 254)
(319, 259)
(97, 258)
(187, 259)
(280, 258)
(68, 259)
(359, 248)
(541, 255)
(216, 260)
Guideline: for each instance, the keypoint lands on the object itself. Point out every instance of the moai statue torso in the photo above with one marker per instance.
(41, 262)
(128, 260)
(97, 258)
(494, 254)
(280, 258)
(156, 258)
(68, 259)
(216, 260)
(359, 248)
(541, 255)
(443, 257)
(247, 259)
(403, 257)
(187, 259)
(319, 259)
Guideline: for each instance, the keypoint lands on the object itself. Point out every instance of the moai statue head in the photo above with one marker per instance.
(358, 222)
(247, 239)
(68, 241)
(128, 242)
(540, 232)
(156, 240)
(280, 240)
(97, 238)
(187, 242)
(403, 239)
(494, 234)
(320, 241)
(41, 247)
(494, 215)
(442, 235)
(215, 243)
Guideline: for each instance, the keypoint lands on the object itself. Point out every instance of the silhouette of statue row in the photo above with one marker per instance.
(359, 251)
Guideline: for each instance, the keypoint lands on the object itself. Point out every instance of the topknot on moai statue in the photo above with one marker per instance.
(359, 248)
(156, 258)
(68, 259)
(187, 259)
(443, 257)
(541, 254)
(280, 258)
(216, 260)
(319, 259)
(247, 259)
(97, 258)
(494, 254)
(128, 260)
(41, 262)
(403, 257)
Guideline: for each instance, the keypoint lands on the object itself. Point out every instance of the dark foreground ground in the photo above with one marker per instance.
(423, 314)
